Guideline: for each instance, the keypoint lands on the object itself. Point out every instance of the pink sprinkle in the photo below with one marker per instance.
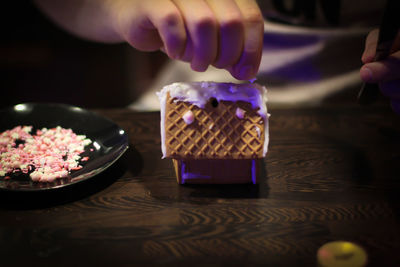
(76, 168)
(188, 117)
(240, 113)
(45, 152)
(85, 159)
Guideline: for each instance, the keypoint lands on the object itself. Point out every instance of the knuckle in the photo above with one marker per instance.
(232, 23)
(253, 16)
(171, 19)
(205, 23)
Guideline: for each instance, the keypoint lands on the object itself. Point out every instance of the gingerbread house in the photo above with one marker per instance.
(214, 133)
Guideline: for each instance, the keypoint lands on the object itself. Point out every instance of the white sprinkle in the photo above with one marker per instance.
(258, 130)
(87, 142)
(44, 152)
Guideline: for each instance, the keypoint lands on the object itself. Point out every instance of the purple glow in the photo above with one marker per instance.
(301, 71)
(188, 175)
(282, 41)
(253, 171)
(218, 171)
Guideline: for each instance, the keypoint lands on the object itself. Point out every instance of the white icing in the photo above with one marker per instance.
(266, 135)
(163, 99)
(199, 93)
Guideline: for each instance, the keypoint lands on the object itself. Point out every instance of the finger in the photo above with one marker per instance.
(391, 89)
(202, 27)
(249, 62)
(144, 39)
(188, 50)
(231, 30)
(370, 46)
(135, 27)
(167, 19)
(381, 71)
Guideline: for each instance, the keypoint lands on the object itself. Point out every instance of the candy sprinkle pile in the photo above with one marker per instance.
(46, 156)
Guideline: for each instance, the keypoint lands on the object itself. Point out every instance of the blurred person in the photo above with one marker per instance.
(303, 51)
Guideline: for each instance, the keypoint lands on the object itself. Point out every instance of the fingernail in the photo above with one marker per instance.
(199, 67)
(366, 74)
(367, 58)
(246, 72)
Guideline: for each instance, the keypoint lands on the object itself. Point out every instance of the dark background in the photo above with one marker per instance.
(40, 62)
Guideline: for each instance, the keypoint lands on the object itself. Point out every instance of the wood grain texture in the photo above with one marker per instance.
(331, 174)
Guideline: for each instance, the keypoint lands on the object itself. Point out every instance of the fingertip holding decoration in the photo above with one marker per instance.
(253, 80)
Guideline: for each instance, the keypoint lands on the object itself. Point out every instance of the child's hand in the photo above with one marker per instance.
(225, 33)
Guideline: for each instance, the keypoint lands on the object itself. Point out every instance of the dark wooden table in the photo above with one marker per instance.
(332, 173)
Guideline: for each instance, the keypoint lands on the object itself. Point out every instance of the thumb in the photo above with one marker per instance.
(381, 71)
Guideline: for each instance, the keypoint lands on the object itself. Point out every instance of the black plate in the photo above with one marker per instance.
(109, 141)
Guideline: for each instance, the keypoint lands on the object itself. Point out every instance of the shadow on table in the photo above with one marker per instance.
(133, 161)
(23, 200)
(259, 190)
(161, 185)
(205, 194)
